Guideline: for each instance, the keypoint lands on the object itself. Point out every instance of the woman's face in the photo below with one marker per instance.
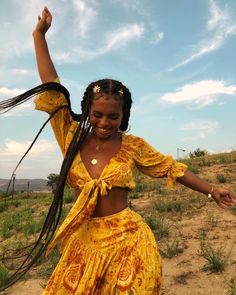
(105, 115)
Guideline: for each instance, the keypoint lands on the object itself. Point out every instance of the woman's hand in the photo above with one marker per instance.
(44, 22)
(46, 69)
(222, 197)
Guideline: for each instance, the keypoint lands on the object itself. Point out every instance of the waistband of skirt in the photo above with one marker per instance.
(107, 217)
(122, 215)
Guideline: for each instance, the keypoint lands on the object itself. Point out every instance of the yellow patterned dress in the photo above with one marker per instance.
(115, 254)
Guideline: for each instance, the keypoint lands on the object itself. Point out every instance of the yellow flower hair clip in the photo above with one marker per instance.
(121, 92)
(96, 89)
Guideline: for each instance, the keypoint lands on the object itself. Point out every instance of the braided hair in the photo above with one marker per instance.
(30, 254)
(117, 90)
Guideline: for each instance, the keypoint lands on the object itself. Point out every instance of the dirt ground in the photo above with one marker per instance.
(184, 274)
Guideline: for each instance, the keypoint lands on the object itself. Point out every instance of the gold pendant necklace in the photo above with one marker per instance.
(98, 148)
(94, 161)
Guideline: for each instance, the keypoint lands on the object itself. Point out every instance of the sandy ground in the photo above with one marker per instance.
(183, 274)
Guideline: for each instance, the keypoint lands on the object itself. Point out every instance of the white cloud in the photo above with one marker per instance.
(13, 148)
(86, 17)
(199, 129)
(22, 72)
(157, 37)
(42, 159)
(16, 32)
(19, 111)
(154, 36)
(217, 16)
(221, 25)
(114, 41)
(201, 93)
(145, 105)
(200, 126)
(8, 93)
(122, 36)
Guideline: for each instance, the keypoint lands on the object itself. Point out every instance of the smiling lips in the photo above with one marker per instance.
(104, 131)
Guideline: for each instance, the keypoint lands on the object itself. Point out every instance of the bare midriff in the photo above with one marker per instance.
(114, 202)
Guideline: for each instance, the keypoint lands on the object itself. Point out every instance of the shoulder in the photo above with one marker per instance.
(133, 139)
(135, 143)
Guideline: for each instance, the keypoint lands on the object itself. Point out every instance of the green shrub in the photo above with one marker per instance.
(212, 220)
(158, 225)
(4, 274)
(3, 207)
(216, 260)
(32, 227)
(221, 178)
(232, 287)
(16, 203)
(168, 206)
(202, 234)
(233, 209)
(205, 162)
(194, 169)
(140, 187)
(5, 231)
(69, 198)
(197, 153)
(172, 249)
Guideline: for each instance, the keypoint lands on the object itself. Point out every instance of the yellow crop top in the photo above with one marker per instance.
(119, 172)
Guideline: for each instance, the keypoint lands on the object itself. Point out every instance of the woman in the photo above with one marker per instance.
(106, 248)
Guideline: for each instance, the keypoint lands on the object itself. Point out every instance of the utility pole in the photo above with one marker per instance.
(13, 185)
(28, 184)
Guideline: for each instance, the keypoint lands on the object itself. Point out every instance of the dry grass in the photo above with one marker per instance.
(182, 221)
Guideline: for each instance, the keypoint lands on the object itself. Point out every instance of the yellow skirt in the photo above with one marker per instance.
(115, 254)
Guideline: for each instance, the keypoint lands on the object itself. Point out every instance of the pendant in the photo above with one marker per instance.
(94, 161)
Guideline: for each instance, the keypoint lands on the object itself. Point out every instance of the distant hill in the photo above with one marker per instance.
(22, 185)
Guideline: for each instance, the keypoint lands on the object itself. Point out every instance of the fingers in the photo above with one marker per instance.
(222, 206)
(225, 201)
(46, 9)
(46, 13)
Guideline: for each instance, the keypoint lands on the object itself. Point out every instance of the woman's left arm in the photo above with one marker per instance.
(221, 196)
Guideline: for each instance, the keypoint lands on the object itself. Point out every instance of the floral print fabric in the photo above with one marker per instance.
(116, 254)
(135, 152)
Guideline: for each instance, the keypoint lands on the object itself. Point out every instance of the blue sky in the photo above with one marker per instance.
(176, 57)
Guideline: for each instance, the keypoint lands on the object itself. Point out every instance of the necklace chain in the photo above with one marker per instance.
(94, 160)
(98, 148)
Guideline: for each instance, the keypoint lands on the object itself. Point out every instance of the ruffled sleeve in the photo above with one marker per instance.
(62, 124)
(155, 164)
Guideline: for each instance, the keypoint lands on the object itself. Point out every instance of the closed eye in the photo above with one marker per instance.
(114, 116)
(97, 115)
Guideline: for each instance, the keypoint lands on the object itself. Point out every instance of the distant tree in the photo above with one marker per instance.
(197, 153)
(52, 181)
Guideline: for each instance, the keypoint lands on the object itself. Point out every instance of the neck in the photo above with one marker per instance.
(100, 139)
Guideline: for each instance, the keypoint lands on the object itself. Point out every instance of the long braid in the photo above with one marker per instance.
(126, 99)
(30, 254)
(33, 252)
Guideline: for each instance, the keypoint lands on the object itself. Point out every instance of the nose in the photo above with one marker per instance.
(104, 122)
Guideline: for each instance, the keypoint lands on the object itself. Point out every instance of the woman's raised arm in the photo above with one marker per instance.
(46, 69)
